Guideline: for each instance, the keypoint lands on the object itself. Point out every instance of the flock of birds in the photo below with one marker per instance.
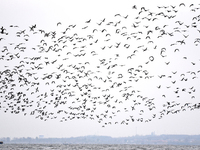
(132, 67)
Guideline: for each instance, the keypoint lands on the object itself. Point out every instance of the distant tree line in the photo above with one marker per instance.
(147, 139)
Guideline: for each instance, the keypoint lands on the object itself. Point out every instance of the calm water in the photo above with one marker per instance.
(94, 147)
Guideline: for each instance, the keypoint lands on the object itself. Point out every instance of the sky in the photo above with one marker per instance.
(47, 14)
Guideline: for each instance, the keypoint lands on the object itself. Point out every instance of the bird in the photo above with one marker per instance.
(181, 4)
(59, 23)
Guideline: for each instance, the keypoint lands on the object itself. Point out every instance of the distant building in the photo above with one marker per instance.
(153, 133)
(41, 136)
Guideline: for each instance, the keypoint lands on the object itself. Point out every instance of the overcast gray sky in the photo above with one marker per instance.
(46, 15)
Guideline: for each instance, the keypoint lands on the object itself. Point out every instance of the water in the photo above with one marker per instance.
(95, 147)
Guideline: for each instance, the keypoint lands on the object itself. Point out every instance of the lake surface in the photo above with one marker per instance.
(95, 147)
